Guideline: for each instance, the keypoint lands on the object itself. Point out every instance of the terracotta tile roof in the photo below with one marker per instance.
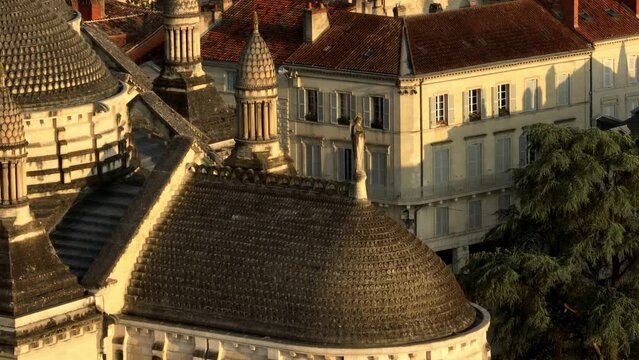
(281, 26)
(475, 36)
(292, 258)
(130, 26)
(356, 42)
(600, 24)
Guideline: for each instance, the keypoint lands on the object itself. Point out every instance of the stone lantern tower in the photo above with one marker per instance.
(257, 143)
(183, 84)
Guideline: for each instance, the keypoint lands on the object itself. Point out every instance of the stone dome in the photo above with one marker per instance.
(256, 69)
(11, 121)
(61, 8)
(177, 8)
(46, 62)
(294, 259)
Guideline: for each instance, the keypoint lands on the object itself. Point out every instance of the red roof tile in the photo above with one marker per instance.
(355, 42)
(128, 25)
(603, 25)
(281, 26)
(474, 36)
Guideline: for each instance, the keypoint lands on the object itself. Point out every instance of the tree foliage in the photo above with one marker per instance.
(560, 274)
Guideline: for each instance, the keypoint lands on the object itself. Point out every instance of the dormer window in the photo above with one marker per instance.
(585, 16)
(612, 12)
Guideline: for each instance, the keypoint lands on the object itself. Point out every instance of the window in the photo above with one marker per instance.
(473, 163)
(633, 103)
(441, 221)
(503, 203)
(530, 95)
(474, 214)
(608, 73)
(313, 160)
(343, 108)
(441, 109)
(632, 68)
(441, 170)
(503, 94)
(309, 104)
(377, 112)
(345, 169)
(474, 105)
(230, 80)
(608, 109)
(502, 155)
(563, 89)
(378, 168)
(526, 153)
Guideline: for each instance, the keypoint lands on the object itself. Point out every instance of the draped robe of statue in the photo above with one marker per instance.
(358, 140)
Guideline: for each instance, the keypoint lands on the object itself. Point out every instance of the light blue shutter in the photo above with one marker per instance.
(523, 150)
(512, 90)
(353, 104)
(341, 164)
(320, 106)
(433, 121)
(333, 107)
(301, 104)
(386, 113)
(366, 109)
(482, 101)
(465, 105)
(451, 108)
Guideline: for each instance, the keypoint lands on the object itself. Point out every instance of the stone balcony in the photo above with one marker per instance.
(440, 192)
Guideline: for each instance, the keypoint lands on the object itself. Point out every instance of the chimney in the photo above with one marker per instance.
(633, 5)
(315, 22)
(399, 11)
(226, 4)
(91, 9)
(570, 13)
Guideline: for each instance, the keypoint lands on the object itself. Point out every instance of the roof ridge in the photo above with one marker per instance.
(332, 187)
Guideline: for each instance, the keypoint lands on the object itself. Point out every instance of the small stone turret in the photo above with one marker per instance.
(183, 84)
(257, 143)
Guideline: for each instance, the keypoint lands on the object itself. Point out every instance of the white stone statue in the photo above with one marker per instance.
(358, 140)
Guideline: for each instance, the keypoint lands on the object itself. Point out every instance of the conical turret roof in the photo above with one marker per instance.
(32, 277)
(177, 8)
(60, 7)
(256, 68)
(11, 122)
(48, 63)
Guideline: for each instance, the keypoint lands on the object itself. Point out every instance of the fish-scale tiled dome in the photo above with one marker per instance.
(296, 259)
(256, 67)
(173, 8)
(11, 122)
(46, 62)
(60, 7)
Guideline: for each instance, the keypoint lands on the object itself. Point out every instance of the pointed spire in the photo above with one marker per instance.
(256, 23)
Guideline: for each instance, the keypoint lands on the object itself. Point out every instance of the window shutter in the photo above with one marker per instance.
(386, 114)
(523, 150)
(482, 103)
(499, 165)
(317, 165)
(432, 111)
(512, 89)
(495, 101)
(320, 106)
(353, 104)
(366, 109)
(632, 68)
(341, 164)
(465, 109)
(451, 108)
(333, 107)
(368, 166)
(301, 103)
(608, 66)
(309, 160)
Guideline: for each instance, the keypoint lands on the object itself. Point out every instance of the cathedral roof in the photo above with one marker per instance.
(11, 122)
(61, 8)
(292, 258)
(46, 61)
(256, 69)
(176, 8)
